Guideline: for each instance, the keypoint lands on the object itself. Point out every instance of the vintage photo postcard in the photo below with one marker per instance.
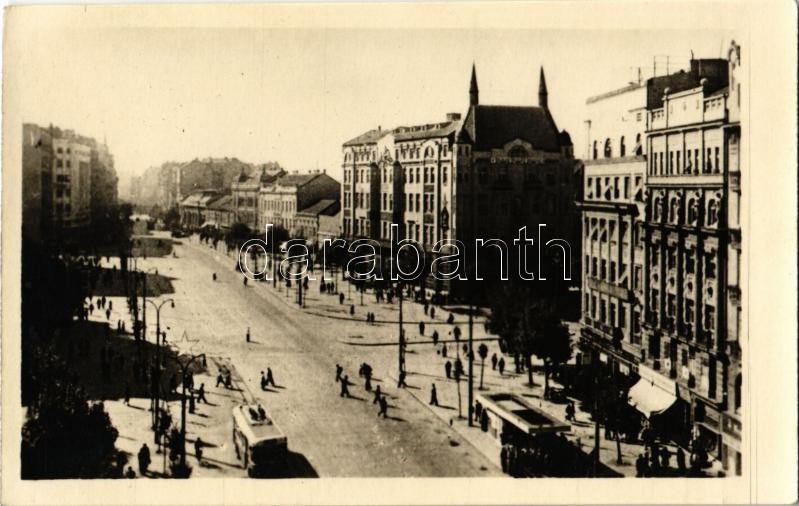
(399, 253)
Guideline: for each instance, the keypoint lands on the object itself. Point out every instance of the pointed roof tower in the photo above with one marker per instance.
(542, 90)
(473, 91)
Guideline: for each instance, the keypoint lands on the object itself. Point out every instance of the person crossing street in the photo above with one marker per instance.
(433, 395)
(345, 390)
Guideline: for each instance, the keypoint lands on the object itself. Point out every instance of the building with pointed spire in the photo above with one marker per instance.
(510, 166)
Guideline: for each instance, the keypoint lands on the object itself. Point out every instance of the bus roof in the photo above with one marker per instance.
(256, 430)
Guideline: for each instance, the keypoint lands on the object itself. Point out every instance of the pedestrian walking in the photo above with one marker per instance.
(448, 369)
(444, 350)
(501, 365)
(110, 304)
(377, 395)
(220, 379)
(345, 390)
(127, 394)
(339, 370)
(352, 309)
(433, 395)
(270, 380)
(401, 381)
(435, 338)
(426, 307)
(201, 394)
(368, 384)
(130, 473)
(341, 298)
(494, 362)
(228, 380)
(421, 328)
(432, 312)
(198, 449)
(383, 407)
(450, 319)
(248, 333)
(144, 459)
(263, 381)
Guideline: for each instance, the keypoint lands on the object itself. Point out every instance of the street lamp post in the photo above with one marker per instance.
(157, 380)
(184, 367)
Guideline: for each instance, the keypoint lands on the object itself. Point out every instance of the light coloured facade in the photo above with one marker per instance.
(612, 225)
(282, 199)
(72, 200)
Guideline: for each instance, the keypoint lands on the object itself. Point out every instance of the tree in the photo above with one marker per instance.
(527, 323)
(482, 350)
(64, 435)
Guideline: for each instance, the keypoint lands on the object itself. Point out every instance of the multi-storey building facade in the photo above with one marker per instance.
(282, 199)
(245, 192)
(508, 166)
(69, 181)
(37, 182)
(612, 214)
(309, 222)
(682, 232)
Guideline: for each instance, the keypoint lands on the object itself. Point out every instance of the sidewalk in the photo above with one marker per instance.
(327, 305)
(425, 367)
(212, 422)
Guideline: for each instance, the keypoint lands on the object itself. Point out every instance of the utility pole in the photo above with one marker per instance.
(471, 363)
(401, 354)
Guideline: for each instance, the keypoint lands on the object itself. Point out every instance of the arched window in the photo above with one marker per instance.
(656, 206)
(712, 212)
(674, 211)
(622, 147)
(517, 152)
(692, 211)
(639, 150)
(608, 150)
(595, 151)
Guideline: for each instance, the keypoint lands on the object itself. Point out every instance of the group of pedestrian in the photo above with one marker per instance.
(327, 288)
(370, 318)
(267, 379)
(656, 461)
(224, 378)
(365, 371)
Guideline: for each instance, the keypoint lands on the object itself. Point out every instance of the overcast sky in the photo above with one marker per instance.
(295, 95)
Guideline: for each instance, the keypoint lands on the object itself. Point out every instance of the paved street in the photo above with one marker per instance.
(338, 436)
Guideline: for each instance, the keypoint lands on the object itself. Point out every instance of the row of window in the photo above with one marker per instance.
(691, 216)
(279, 205)
(613, 188)
(675, 162)
(607, 148)
(708, 260)
(606, 270)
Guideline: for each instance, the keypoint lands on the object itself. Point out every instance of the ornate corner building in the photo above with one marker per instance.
(483, 174)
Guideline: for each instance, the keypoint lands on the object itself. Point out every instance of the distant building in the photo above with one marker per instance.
(308, 221)
(69, 182)
(194, 208)
(37, 182)
(245, 191)
(220, 213)
(281, 200)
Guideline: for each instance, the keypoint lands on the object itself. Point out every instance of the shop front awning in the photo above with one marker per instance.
(649, 398)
